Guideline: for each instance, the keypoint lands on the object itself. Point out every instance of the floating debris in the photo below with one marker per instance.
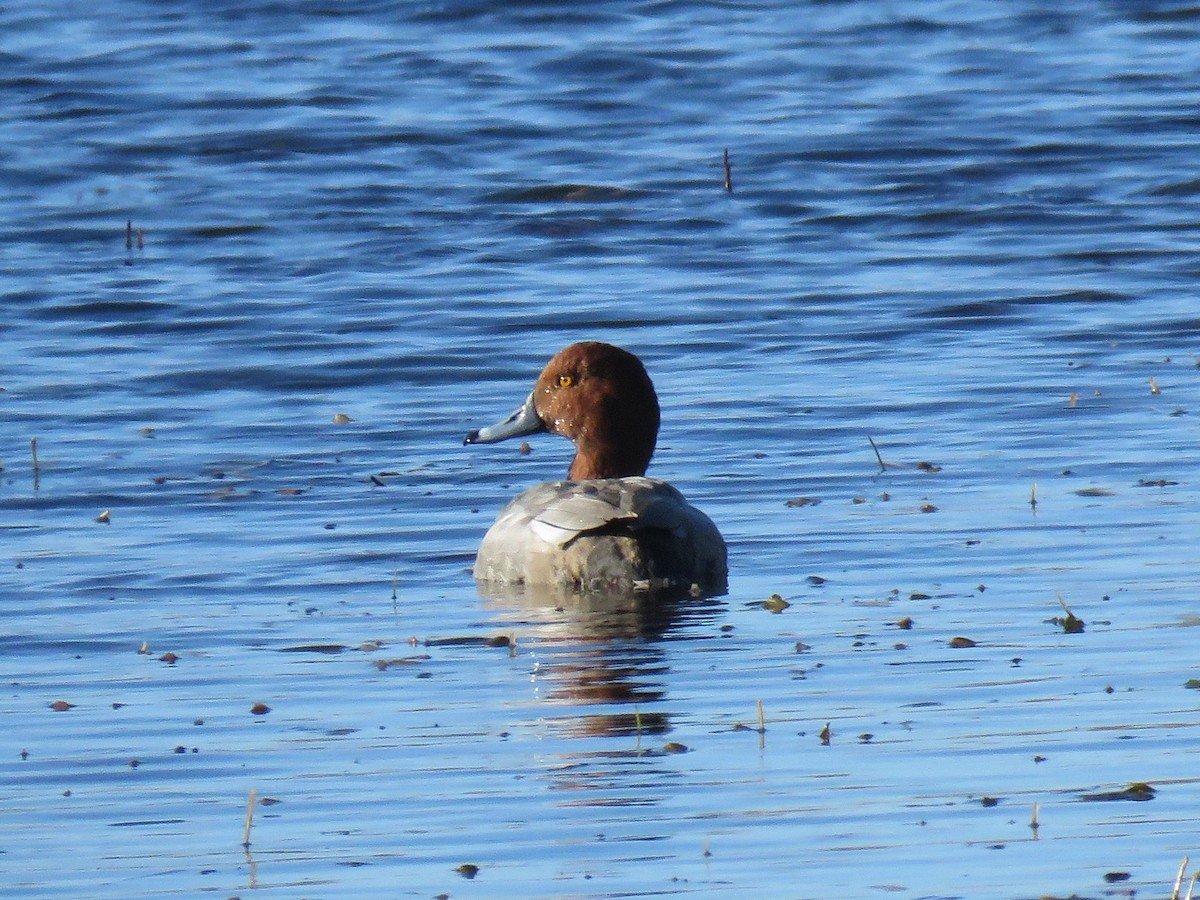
(960, 643)
(1138, 792)
(803, 501)
(1071, 624)
(775, 604)
(259, 709)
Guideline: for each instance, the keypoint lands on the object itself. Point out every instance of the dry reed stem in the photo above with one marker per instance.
(249, 818)
(1179, 879)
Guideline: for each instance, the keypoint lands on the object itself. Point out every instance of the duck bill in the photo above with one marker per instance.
(523, 421)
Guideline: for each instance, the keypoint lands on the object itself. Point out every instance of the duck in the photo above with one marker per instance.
(607, 526)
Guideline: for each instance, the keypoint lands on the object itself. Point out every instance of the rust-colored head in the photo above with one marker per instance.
(600, 398)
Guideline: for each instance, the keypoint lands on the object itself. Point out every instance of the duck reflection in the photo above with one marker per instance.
(599, 649)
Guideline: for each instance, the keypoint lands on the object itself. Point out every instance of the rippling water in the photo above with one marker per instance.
(964, 230)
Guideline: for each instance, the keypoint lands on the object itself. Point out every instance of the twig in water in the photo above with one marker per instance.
(762, 720)
(37, 471)
(728, 173)
(882, 466)
(1033, 496)
(1179, 879)
(1033, 823)
(129, 234)
(249, 818)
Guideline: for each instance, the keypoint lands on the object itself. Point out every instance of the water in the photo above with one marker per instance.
(947, 219)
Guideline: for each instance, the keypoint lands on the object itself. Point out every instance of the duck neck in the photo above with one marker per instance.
(593, 461)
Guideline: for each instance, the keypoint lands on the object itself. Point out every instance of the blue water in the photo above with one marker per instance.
(965, 230)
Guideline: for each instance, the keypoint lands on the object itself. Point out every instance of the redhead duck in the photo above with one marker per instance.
(608, 526)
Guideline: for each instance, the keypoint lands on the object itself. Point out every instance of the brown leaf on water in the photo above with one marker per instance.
(61, 706)
(259, 709)
(290, 492)
(169, 658)
(341, 419)
(928, 508)
(467, 871)
(803, 501)
(105, 517)
(960, 643)
(928, 467)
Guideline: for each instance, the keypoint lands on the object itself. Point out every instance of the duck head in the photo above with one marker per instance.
(597, 396)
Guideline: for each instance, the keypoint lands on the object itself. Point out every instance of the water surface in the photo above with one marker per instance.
(965, 230)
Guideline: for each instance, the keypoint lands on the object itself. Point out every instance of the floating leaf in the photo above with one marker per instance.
(775, 604)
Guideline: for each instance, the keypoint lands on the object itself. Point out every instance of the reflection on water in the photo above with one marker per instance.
(600, 648)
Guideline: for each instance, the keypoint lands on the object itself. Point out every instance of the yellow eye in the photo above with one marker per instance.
(566, 380)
